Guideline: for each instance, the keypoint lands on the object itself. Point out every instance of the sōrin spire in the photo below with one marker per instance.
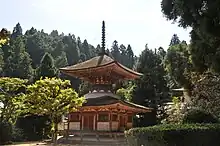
(102, 51)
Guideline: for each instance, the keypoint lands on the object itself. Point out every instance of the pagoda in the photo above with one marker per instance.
(103, 110)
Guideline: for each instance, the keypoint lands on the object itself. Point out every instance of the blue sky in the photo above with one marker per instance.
(134, 22)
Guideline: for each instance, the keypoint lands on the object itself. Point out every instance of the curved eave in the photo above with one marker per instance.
(112, 102)
(119, 68)
(118, 105)
(129, 70)
(147, 109)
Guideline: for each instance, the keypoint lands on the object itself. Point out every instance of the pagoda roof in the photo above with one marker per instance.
(97, 99)
(98, 64)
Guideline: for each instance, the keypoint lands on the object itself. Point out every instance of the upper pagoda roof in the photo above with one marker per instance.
(100, 62)
(91, 63)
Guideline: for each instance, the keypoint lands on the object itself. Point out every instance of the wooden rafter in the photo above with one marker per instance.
(117, 107)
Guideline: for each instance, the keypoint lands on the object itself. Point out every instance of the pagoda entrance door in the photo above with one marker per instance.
(122, 123)
(88, 122)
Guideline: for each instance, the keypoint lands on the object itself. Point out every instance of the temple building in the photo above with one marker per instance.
(103, 109)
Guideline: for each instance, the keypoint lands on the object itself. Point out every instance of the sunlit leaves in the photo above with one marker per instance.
(11, 98)
(178, 64)
(126, 93)
(4, 36)
(51, 96)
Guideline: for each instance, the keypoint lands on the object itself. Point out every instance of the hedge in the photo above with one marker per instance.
(175, 135)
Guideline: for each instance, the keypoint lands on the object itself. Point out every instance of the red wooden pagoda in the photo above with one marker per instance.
(103, 110)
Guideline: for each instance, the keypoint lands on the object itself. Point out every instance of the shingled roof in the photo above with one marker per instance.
(96, 62)
(91, 63)
(105, 98)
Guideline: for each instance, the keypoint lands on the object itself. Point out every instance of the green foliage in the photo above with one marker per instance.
(47, 67)
(17, 134)
(34, 127)
(175, 40)
(10, 133)
(174, 113)
(126, 93)
(152, 87)
(11, 98)
(17, 31)
(5, 132)
(198, 116)
(202, 17)
(175, 135)
(84, 87)
(178, 65)
(17, 62)
(52, 97)
(206, 91)
(61, 60)
(4, 36)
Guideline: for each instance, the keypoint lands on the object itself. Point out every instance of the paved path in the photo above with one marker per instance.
(76, 141)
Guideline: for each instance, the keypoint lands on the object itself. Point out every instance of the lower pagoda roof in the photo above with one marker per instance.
(101, 65)
(109, 100)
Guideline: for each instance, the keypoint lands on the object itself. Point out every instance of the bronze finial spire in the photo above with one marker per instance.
(102, 51)
(103, 35)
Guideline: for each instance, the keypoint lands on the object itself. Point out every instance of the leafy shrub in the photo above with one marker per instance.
(17, 134)
(199, 116)
(5, 133)
(174, 114)
(175, 135)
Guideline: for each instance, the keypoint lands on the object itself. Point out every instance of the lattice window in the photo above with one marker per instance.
(130, 118)
(114, 117)
(74, 117)
(103, 118)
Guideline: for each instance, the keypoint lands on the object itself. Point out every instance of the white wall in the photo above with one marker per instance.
(74, 125)
(103, 126)
(114, 126)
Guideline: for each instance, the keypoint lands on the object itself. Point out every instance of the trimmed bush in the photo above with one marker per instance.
(199, 116)
(175, 135)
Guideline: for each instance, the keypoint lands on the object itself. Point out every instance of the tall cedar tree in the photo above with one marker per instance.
(17, 62)
(152, 87)
(203, 18)
(47, 67)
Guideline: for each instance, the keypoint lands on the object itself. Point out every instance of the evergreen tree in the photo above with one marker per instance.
(86, 50)
(130, 55)
(124, 58)
(17, 31)
(71, 50)
(161, 52)
(174, 40)
(17, 60)
(115, 52)
(202, 17)
(178, 66)
(152, 87)
(47, 67)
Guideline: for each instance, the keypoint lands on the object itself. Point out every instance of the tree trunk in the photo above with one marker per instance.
(54, 133)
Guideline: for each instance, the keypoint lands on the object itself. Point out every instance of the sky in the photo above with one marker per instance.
(134, 22)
